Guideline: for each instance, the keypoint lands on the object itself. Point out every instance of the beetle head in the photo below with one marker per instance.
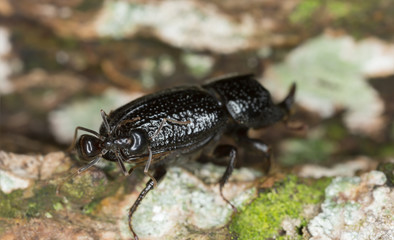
(89, 147)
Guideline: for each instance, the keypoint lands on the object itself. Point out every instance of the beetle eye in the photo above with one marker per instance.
(88, 147)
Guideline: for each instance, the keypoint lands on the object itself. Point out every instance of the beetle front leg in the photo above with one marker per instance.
(230, 152)
(258, 150)
(146, 169)
(120, 161)
(158, 175)
(254, 150)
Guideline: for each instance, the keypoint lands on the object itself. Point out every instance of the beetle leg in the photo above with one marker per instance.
(134, 167)
(230, 152)
(159, 174)
(295, 126)
(261, 151)
(177, 122)
(168, 120)
(127, 121)
(120, 163)
(146, 169)
(253, 150)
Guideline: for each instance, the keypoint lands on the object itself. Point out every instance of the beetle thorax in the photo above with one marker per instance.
(128, 146)
(112, 144)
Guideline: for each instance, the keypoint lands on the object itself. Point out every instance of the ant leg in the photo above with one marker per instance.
(159, 174)
(230, 152)
(146, 169)
(171, 121)
(76, 134)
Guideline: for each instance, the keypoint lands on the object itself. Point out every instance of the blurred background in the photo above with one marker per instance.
(63, 61)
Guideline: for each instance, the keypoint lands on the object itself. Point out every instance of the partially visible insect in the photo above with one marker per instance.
(156, 128)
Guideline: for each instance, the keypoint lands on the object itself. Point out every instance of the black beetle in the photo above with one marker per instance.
(178, 121)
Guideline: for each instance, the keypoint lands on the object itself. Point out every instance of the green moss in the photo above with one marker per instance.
(43, 201)
(87, 5)
(336, 131)
(391, 133)
(83, 188)
(304, 11)
(385, 150)
(57, 206)
(348, 15)
(9, 204)
(90, 207)
(339, 9)
(263, 217)
(14, 205)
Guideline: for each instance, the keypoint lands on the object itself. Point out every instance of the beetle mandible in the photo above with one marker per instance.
(150, 130)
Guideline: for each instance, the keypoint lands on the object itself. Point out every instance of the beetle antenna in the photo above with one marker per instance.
(105, 117)
(76, 134)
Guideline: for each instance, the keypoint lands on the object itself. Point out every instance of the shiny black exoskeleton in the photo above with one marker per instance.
(162, 126)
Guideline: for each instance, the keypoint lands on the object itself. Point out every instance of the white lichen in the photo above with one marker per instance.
(331, 74)
(181, 23)
(183, 199)
(345, 169)
(290, 226)
(18, 171)
(5, 67)
(356, 208)
(10, 182)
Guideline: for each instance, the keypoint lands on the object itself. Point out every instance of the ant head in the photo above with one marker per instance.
(89, 147)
